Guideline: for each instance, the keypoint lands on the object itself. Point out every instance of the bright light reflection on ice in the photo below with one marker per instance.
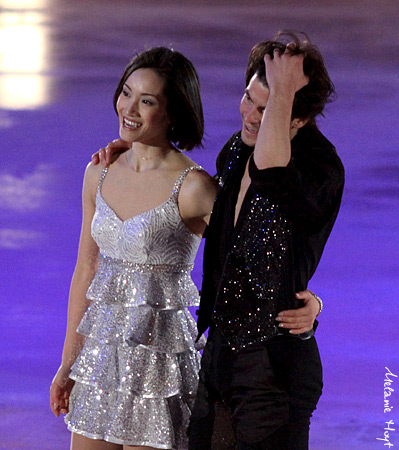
(22, 56)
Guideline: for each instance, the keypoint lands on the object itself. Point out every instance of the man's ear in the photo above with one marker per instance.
(296, 124)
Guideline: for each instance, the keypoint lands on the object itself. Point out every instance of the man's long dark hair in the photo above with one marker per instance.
(311, 99)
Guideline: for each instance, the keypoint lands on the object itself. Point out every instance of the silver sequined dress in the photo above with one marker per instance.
(136, 376)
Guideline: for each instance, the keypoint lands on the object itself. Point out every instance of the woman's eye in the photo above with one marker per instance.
(148, 102)
(125, 93)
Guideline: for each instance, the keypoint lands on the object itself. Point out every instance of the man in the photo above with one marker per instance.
(281, 184)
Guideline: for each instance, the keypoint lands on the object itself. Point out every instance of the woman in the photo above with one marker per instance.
(128, 375)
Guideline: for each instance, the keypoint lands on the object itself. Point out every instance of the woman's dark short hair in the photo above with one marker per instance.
(182, 91)
(311, 99)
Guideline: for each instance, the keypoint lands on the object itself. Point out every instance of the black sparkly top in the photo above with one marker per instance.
(253, 269)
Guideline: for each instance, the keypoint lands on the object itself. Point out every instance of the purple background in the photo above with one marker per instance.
(75, 53)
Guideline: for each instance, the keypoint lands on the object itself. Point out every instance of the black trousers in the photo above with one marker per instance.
(261, 398)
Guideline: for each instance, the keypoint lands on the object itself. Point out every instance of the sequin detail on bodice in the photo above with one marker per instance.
(157, 236)
(137, 374)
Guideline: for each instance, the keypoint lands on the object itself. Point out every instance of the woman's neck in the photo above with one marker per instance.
(144, 157)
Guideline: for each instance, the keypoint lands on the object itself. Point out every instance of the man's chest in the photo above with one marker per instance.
(244, 185)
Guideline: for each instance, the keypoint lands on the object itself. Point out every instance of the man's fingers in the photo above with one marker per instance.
(290, 46)
(95, 158)
(107, 157)
(294, 323)
(103, 156)
(297, 323)
(294, 314)
(294, 320)
(302, 295)
(99, 157)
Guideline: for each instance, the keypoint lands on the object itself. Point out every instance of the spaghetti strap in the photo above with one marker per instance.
(102, 177)
(180, 179)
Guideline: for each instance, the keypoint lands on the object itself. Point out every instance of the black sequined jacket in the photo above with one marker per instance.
(253, 269)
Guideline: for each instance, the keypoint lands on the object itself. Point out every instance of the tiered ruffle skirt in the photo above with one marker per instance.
(137, 375)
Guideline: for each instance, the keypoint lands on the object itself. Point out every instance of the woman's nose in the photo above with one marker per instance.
(132, 106)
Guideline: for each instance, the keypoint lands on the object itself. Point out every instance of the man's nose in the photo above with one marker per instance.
(252, 114)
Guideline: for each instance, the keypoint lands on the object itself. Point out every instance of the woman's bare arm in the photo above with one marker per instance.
(196, 200)
(85, 269)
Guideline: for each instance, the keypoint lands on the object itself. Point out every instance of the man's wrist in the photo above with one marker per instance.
(320, 301)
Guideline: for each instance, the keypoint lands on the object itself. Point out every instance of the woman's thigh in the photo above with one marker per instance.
(130, 447)
(79, 442)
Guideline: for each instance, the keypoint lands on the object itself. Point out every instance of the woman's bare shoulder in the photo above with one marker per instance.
(196, 180)
(199, 184)
(92, 176)
(201, 176)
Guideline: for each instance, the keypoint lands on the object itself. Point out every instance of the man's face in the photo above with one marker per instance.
(253, 104)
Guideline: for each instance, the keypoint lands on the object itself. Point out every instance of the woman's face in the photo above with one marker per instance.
(142, 109)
